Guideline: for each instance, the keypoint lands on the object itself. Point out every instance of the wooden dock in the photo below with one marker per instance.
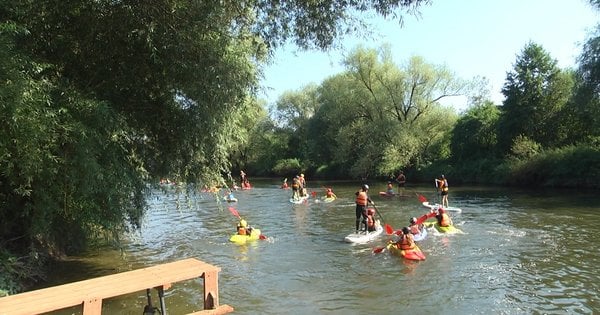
(90, 293)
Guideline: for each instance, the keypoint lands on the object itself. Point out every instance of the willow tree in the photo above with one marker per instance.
(125, 92)
(392, 114)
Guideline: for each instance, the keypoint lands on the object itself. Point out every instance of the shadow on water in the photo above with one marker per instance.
(522, 252)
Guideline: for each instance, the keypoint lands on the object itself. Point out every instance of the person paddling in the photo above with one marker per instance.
(443, 218)
(362, 200)
(442, 184)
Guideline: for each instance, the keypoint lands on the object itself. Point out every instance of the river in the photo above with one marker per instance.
(522, 252)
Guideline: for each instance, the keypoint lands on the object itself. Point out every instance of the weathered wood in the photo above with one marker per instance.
(220, 310)
(90, 293)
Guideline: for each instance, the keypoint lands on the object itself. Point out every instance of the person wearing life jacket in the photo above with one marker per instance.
(414, 227)
(302, 185)
(406, 240)
(390, 189)
(443, 218)
(442, 185)
(370, 216)
(242, 227)
(296, 188)
(329, 193)
(362, 200)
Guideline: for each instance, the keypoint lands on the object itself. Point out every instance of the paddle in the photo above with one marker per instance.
(235, 213)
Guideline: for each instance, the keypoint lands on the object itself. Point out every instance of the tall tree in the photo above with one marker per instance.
(117, 93)
(535, 90)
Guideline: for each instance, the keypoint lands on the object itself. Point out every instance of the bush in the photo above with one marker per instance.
(287, 167)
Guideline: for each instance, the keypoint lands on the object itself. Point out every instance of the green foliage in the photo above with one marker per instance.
(287, 167)
(474, 135)
(524, 148)
(571, 166)
(536, 91)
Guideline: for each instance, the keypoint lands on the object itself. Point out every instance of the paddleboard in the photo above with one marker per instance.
(299, 201)
(436, 206)
(364, 237)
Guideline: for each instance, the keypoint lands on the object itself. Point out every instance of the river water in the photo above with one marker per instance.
(522, 252)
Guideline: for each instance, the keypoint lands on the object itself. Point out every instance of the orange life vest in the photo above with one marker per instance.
(407, 242)
(444, 185)
(241, 230)
(361, 198)
(445, 220)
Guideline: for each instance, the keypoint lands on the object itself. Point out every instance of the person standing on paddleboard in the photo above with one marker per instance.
(442, 184)
(362, 200)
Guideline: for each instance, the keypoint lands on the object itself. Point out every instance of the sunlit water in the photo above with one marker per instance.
(522, 253)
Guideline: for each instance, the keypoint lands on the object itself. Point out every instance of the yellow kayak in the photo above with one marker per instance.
(242, 239)
(443, 229)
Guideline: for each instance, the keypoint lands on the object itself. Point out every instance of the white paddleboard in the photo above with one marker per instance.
(364, 237)
(435, 206)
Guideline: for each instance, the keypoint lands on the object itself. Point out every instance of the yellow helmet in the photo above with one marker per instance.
(243, 223)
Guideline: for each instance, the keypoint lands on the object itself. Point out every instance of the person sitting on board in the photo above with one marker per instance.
(443, 219)
(230, 195)
(362, 200)
(390, 189)
(296, 188)
(414, 227)
(285, 184)
(371, 224)
(243, 228)
(329, 193)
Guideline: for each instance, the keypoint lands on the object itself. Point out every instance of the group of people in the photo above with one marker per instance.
(364, 215)
(298, 187)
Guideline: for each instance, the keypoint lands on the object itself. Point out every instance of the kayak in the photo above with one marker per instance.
(242, 239)
(412, 254)
(363, 237)
(325, 199)
(300, 200)
(421, 236)
(444, 229)
(437, 205)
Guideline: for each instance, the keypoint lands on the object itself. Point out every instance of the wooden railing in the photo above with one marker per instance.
(90, 293)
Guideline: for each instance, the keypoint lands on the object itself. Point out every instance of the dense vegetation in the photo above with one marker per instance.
(100, 98)
(377, 118)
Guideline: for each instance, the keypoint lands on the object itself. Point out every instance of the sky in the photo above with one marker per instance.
(470, 37)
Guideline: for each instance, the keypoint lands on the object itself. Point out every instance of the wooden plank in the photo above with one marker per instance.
(220, 310)
(100, 288)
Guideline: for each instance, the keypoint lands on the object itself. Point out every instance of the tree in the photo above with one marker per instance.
(474, 135)
(108, 95)
(536, 90)
(583, 112)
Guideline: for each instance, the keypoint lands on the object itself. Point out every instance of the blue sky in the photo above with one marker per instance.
(470, 37)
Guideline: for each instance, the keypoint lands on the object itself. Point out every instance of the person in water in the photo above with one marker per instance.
(243, 228)
(362, 200)
(442, 184)
(401, 180)
(443, 219)
(390, 189)
(285, 184)
(329, 193)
